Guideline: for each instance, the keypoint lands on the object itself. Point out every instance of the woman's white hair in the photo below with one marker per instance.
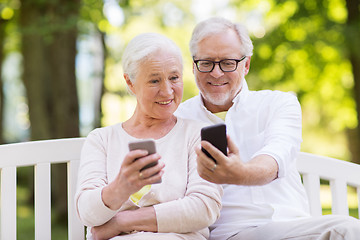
(143, 46)
(217, 25)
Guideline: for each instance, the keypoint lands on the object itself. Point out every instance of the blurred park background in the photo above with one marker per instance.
(61, 75)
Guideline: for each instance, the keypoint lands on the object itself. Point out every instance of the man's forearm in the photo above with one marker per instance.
(260, 170)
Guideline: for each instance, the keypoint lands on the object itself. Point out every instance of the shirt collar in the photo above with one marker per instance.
(243, 92)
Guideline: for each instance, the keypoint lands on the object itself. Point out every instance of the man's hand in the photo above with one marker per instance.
(231, 169)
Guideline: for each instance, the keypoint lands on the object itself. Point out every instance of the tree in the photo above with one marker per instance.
(49, 34)
(301, 46)
(6, 14)
(2, 37)
(352, 33)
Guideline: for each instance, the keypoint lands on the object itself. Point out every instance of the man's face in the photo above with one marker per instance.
(219, 88)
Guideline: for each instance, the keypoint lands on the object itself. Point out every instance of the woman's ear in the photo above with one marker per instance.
(129, 83)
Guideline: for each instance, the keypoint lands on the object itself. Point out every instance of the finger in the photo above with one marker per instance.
(231, 145)
(203, 159)
(134, 155)
(205, 164)
(204, 172)
(155, 178)
(146, 162)
(213, 151)
(148, 172)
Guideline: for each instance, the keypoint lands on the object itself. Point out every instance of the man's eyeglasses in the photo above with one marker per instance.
(226, 65)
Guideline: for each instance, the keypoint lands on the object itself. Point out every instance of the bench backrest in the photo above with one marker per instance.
(340, 175)
(41, 154)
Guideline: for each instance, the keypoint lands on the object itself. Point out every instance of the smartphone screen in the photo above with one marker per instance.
(216, 135)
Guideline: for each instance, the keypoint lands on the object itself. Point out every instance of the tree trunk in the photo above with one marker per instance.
(99, 87)
(2, 37)
(49, 32)
(353, 39)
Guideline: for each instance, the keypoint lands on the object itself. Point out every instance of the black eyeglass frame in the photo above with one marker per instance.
(218, 62)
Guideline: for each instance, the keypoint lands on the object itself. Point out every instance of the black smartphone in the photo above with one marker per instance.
(146, 144)
(216, 135)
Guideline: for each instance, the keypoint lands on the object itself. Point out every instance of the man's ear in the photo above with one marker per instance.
(129, 83)
(247, 65)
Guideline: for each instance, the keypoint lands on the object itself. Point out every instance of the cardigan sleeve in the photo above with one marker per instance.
(198, 209)
(92, 177)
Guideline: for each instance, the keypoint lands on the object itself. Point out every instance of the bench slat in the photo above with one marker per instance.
(339, 197)
(358, 199)
(312, 185)
(8, 203)
(75, 227)
(42, 201)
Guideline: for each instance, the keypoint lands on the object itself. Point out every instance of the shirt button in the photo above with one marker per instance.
(152, 194)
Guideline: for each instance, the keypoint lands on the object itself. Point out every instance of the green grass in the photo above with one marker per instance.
(26, 220)
(26, 226)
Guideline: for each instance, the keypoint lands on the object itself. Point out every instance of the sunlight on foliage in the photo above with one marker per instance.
(7, 13)
(280, 13)
(265, 51)
(337, 11)
(117, 109)
(295, 34)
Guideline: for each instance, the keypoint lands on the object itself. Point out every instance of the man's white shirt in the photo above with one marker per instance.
(259, 122)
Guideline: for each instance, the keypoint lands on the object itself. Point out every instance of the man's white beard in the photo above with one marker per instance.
(221, 99)
(218, 99)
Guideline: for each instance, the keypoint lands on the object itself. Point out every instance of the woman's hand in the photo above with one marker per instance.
(142, 219)
(131, 179)
(108, 230)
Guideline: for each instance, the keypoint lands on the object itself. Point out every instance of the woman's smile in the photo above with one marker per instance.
(165, 102)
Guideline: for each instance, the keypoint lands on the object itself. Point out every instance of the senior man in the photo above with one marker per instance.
(263, 194)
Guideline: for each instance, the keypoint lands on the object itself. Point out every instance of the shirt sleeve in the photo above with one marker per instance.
(92, 177)
(198, 209)
(283, 132)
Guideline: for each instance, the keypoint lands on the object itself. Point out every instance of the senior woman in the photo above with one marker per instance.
(115, 198)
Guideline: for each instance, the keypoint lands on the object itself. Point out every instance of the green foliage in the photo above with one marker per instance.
(304, 51)
(299, 46)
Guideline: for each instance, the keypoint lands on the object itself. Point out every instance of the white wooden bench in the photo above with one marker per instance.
(41, 154)
(340, 174)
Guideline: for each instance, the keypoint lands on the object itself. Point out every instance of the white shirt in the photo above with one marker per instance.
(185, 204)
(259, 122)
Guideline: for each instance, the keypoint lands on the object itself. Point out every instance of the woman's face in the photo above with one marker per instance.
(158, 85)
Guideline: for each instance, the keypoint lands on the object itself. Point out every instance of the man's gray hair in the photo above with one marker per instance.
(143, 46)
(217, 25)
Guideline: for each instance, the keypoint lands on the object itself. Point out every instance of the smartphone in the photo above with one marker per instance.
(216, 135)
(145, 144)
